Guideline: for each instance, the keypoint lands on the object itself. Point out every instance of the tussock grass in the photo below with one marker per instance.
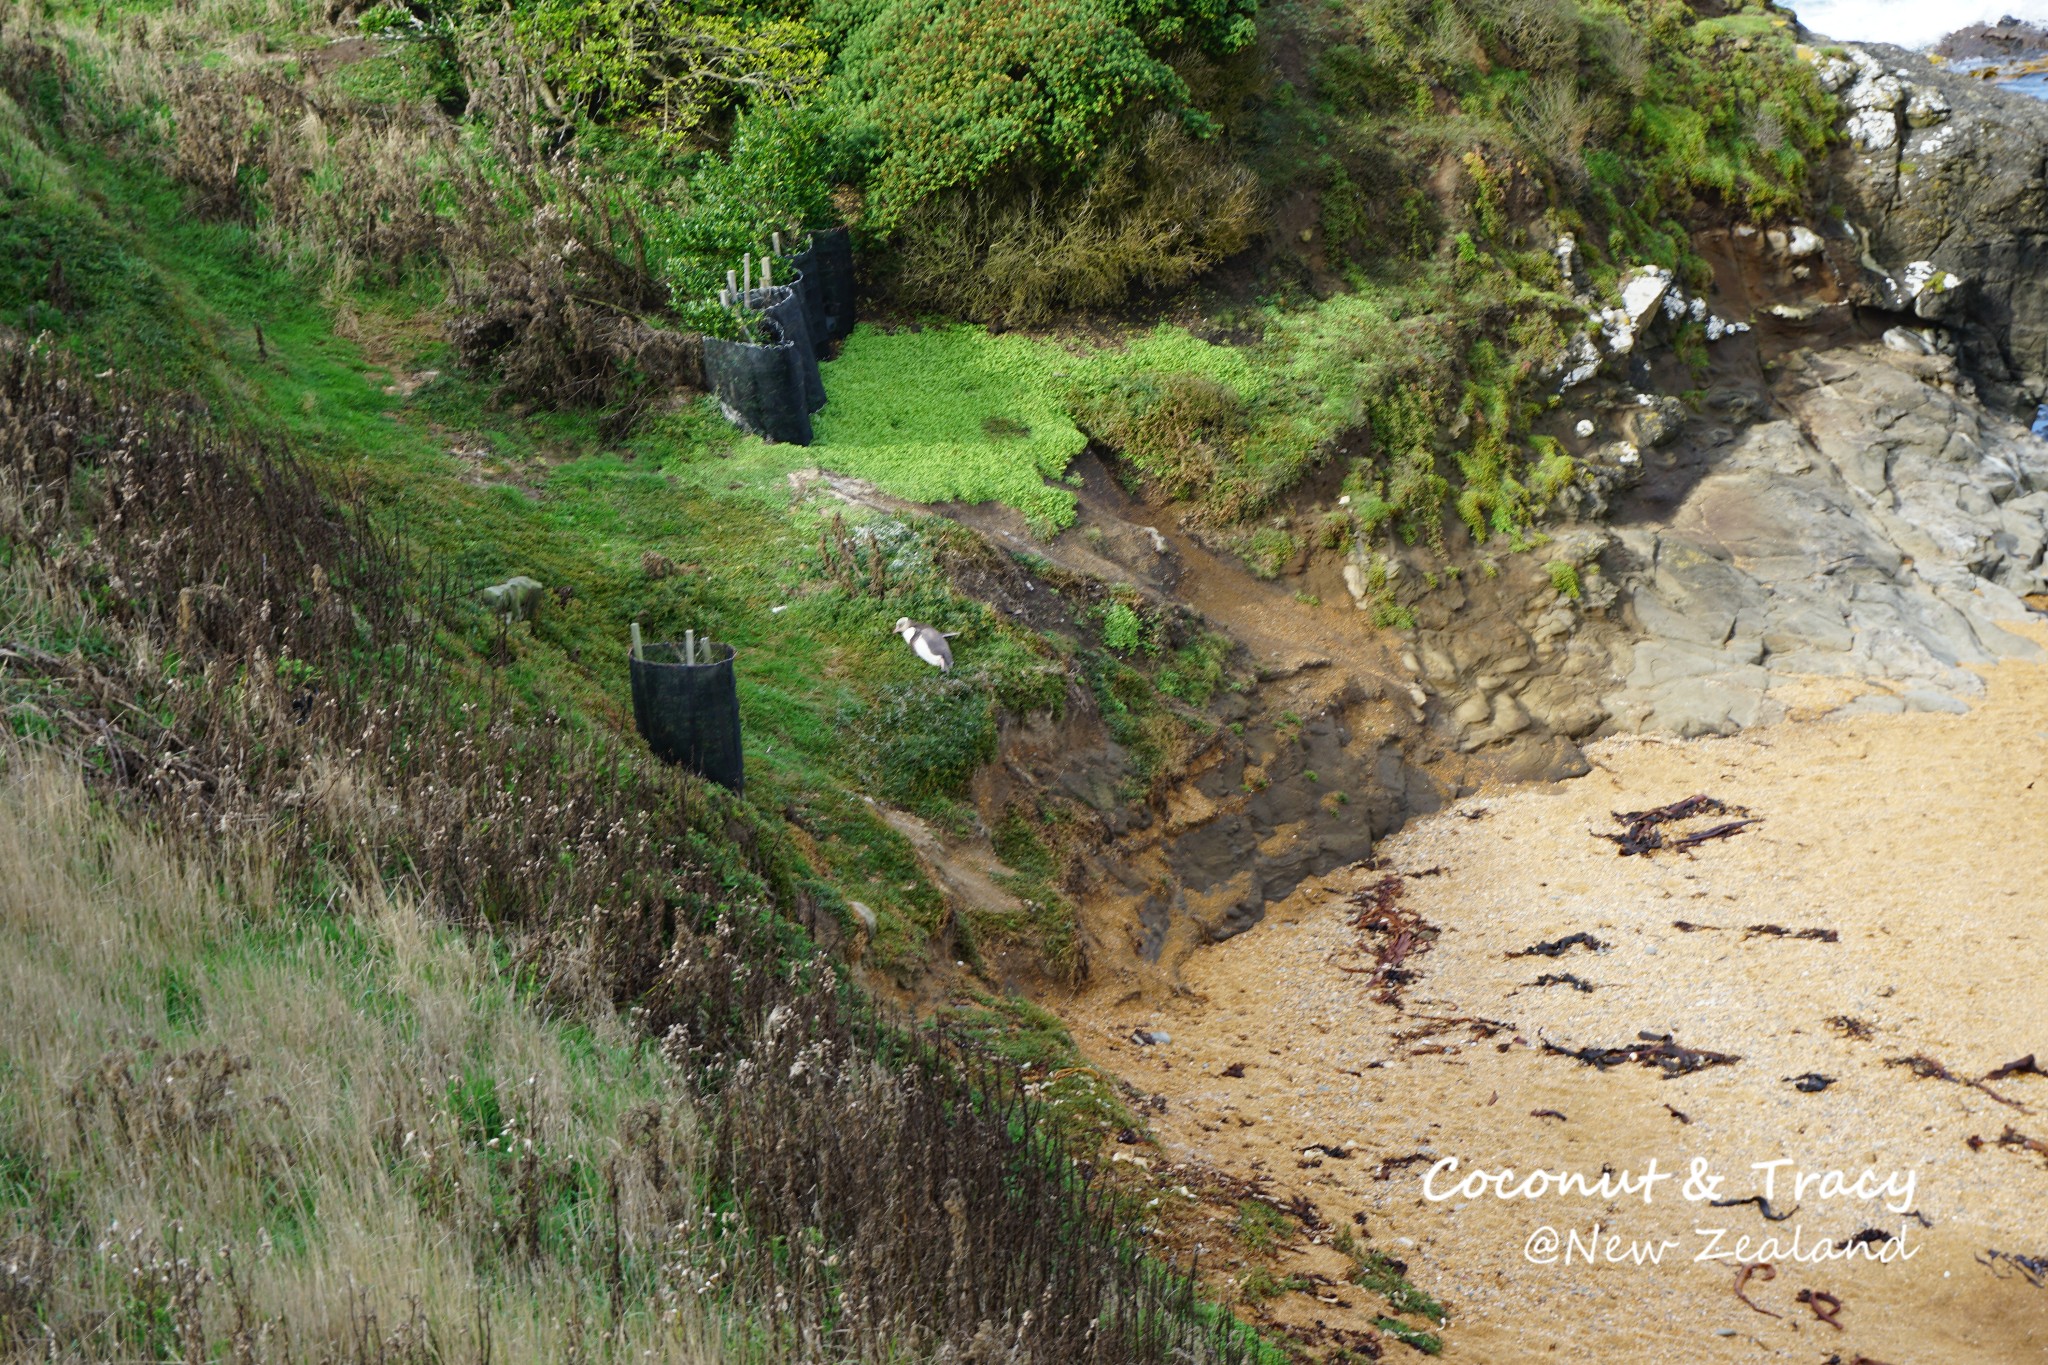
(235, 1123)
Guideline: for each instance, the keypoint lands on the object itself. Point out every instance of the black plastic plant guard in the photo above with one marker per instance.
(760, 385)
(772, 387)
(826, 266)
(783, 305)
(690, 713)
(830, 262)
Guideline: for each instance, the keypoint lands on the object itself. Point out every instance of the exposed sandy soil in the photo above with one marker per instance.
(1922, 840)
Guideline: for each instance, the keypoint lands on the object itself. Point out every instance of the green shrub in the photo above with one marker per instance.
(674, 63)
(983, 421)
(773, 178)
(928, 737)
(936, 94)
(1564, 577)
(1153, 211)
(1122, 628)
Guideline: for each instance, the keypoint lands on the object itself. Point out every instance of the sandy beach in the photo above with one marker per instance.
(1903, 859)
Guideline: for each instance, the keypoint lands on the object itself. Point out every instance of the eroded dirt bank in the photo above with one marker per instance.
(1916, 839)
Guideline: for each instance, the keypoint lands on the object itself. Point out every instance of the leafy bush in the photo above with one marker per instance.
(1121, 628)
(937, 94)
(673, 62)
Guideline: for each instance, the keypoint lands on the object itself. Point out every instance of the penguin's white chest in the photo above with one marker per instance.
(924, 651)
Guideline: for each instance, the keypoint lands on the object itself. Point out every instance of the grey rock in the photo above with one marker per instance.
(1927, 699)
(1885, 533)
(1966, 189)
(1871, 704)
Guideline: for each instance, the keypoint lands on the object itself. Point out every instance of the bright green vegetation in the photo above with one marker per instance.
(953, 413)
(1375, 1271)
(1429, 1343)
(270, 1112)
(948, 414)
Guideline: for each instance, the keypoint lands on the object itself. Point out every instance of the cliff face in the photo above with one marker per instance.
(1947, 173)
(1852, 517)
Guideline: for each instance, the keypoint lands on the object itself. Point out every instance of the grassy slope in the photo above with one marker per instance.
(200, 1063)
(547, 496)
(481, 492)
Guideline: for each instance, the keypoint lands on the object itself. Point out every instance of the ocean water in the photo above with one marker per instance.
(2035, 84)
(1909, 23)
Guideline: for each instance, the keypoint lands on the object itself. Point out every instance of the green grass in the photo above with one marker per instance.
(1380, 1273)
(1260, 1226)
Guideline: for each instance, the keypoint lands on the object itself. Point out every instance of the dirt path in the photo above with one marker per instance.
(1921, 841)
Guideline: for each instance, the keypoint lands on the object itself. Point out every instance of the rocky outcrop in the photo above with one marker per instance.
(1944, 181)
(2007, 40)
(1861, 552)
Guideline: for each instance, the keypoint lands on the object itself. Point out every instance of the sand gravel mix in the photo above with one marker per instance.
(1921, 841)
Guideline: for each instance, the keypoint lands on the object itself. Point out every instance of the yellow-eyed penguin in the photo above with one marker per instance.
(927, 643)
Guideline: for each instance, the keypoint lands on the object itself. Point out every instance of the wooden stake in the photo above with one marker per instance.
(636, 639)
(690, 646)
(778, 243)
(767, 272)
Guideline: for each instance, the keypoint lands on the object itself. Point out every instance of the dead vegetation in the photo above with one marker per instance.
(1660, 1050)
(1644, 832)
(1403, 934)
(549, 283)
(267, 673)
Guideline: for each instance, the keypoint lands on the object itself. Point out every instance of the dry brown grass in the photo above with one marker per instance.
(549, 281)
(236, 1127)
